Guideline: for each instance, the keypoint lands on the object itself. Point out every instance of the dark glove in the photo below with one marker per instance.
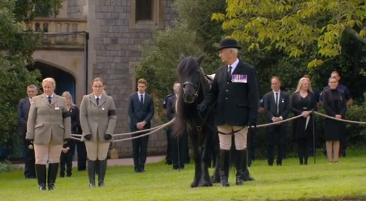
(30, 141)
(107, 136)
(87, 136)
(252, 124)
(201, 107)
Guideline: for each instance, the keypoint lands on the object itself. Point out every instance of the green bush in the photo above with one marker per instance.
(5, 166)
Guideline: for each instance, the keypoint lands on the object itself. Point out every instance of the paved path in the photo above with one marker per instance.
(121, 161)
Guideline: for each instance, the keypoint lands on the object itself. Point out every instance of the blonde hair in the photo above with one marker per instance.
(301, 82)
(50, 80)
(68, 94)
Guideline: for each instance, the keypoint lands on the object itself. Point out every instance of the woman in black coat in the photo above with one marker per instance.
(303, 102)
(335, 105)
(69, 149)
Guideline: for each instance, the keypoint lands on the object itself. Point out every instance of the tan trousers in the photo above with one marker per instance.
(96, 150)
(240, 138)
(47, 153)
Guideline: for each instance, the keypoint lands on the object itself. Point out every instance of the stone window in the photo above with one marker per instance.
(146, 14)
(144, 10)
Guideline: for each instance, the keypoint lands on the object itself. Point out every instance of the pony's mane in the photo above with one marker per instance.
(187, 65)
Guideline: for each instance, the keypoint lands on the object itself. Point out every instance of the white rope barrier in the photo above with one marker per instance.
(160, 127)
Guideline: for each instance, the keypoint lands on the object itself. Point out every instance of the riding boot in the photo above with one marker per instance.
(247, 176)
(91, 173)
(239, 163)
(52, 174)
(97, 166)
(223, 167)
(41, 176)
(102, 171)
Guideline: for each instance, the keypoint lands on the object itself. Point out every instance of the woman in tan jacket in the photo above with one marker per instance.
(98, 120)
(48, 128)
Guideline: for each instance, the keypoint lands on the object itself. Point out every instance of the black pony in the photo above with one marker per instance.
(200, 127)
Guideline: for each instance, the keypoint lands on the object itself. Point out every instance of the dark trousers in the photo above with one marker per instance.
(139, 151)
(251, 146)
(179, 150)
(276, 135)
(168, 157)
(303, 147)
(81, 151)
(29, 160)
(66, 160)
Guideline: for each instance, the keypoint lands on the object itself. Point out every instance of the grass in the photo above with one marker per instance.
(320, 181)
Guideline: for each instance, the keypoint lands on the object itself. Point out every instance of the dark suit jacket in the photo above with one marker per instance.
(237, 102)
(75, 120)
(140, 112)
(23, 110)
(171, 107)
(329, 106)
(284, 106)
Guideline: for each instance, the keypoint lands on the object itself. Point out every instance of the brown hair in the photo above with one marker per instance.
(307, 76)
(98, 79)
(142, 81)
(277, 78)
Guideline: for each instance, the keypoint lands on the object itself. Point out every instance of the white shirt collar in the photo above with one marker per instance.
(97, 96)
(233, 65)
(143, 94)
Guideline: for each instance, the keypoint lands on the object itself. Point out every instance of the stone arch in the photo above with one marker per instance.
(65, 79)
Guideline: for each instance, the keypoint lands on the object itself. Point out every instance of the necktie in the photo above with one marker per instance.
(276, 101)
(97, 99)
(229, 73)
(49, 99)
(142, 99)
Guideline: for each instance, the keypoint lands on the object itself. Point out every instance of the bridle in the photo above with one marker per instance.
(195, 86)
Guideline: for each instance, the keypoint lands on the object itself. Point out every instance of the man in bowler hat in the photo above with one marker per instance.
(236, 92)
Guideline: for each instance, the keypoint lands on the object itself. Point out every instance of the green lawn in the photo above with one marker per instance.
(288, 182)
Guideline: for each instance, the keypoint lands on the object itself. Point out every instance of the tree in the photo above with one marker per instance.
(17, 45)
(295, 26)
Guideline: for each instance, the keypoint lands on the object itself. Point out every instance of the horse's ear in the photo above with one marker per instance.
(200, 59)
(181, 56)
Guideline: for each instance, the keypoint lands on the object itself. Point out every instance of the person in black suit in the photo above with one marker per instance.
(140, 111)
(303, 102)
(335, 105)
(168, 157)
(277, 108)
(23, 110)
(235, 90)
(68, 148)
(178, 144)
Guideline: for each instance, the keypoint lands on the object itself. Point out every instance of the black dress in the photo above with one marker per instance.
(298, 105)
(334, 104)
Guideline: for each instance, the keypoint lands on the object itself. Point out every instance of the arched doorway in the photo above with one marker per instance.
(64, 80)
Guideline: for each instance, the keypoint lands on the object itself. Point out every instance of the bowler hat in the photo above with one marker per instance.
(228, 43)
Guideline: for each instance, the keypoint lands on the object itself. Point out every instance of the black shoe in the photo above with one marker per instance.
(52, 174)
(41, 176)
(91, 173)
(168, 162)
(62, 175)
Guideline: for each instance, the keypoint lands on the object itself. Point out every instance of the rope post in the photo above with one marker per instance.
(113, 153)
(314, 149)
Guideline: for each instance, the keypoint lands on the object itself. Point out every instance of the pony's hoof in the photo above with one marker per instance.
(194, 184)
(205, 184)
(215, 179)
